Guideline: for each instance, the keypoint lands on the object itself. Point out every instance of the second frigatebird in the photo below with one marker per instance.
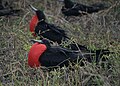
(7, 10)
(43, 54)
(76, 9)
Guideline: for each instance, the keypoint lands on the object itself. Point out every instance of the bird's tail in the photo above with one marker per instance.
(96, 56)
(100, 53)
(100, 6)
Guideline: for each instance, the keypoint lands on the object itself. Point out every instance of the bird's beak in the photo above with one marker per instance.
(34, 41)
(33, 8)
(61, 0)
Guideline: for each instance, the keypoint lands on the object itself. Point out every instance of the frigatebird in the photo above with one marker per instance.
(77, 9)
(5, 9)
(43, 54)
(39, 27)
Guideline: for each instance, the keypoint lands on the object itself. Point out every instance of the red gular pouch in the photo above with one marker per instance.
(32, 24)
(34, 54)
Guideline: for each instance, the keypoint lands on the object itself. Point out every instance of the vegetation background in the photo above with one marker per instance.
(97, 30)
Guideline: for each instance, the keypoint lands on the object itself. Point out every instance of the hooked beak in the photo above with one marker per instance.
(34, 41)
(33, 8)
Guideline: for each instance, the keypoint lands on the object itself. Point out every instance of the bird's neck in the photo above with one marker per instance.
(40, 15)
(68, 3)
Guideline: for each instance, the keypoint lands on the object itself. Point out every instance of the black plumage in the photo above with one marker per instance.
(75, 9)
(47, 30)
(1, 6)
(53, 33)
(7, 10)
(50, 31)
(58, 56)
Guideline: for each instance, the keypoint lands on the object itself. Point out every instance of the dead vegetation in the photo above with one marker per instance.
(99, 30)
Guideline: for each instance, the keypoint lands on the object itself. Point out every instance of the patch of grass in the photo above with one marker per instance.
(100, 30)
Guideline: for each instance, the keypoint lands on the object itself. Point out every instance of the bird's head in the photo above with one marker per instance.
(37, 49)
(38, 17)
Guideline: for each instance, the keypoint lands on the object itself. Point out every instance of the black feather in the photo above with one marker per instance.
(7, 10)
(58, 56)
(40, 15)
(49, 31)
(74, 9)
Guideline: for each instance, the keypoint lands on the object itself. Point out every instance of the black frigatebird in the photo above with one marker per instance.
(43, 54)
(77, 9)
(39, 26)
(7, 10)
